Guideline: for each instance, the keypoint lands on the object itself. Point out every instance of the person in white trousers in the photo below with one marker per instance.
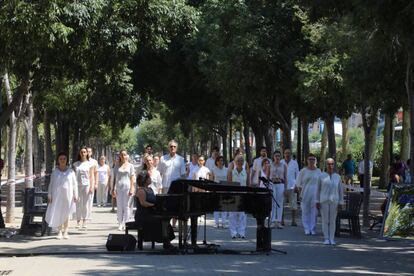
(94, 165)
(84, 176)
(238, 219)
(329, 195)
(103, 182)
(278, 176)
(219, 173)
(307, 182)
(124, 189)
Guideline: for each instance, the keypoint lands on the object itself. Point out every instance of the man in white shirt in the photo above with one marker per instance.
(361, 171)
(291, 190)
(171, 167)
(257, 166)
(210, 163)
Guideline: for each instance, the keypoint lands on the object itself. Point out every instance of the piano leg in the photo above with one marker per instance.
(180, 234)
(263, 236)
(194, 225)
(185, 233)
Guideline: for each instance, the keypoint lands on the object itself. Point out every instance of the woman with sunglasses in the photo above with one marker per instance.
(278, 175)
(84, 175)
(219, 173)
(329, 194)
(307, 182)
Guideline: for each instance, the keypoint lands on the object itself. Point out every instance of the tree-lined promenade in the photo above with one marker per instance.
(76, 73)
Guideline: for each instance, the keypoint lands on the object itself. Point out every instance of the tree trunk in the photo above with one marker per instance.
(330, 126)
(405, 136)
(247, 146)
(324, 143)
(345, 138)
(287, 138)
(37, 154)
(369, 121)
(11, 169)
(28, 152)
(299, 155)
(268, 136)
(409, 84)
(373, 138)
(230, 139)
(305, 137)
(48, 144)
(386, 157)
(62, 133)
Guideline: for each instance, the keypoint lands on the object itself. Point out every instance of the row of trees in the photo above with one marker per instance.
(86, 69)
(266, 62)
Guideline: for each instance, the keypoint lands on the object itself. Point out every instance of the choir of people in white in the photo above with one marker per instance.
(71, 190)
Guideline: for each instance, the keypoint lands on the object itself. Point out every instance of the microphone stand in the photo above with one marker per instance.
(267, 183)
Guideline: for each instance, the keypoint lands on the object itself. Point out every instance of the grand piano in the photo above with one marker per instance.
(182, 203)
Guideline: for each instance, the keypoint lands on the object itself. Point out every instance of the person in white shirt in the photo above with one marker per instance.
(278, 176)
(171, 167)
(329, 195)
(156, 180)
(361, 171)
(94, 165)
(291, 189)
(192, 166)
(84, 175)
(219, 173)
(238, 219)
(210, 163)
(307, 182)
(103, 182)
(112, 181)
(124, 189)
(202, 171)
(257, 166)
(62, 195)
(230, 168)
(156, 160)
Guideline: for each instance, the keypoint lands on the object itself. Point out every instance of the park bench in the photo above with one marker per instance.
(34, 205)
(351, 214)
(140, 234)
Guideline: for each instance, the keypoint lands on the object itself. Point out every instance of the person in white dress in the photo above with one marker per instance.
(103, 182)
(124, 189)
(62, 195)
(156, 180)
(307, 182)
(237, 220)
(84, 177)
(219, 173)
(112, 180)
(329, 195)
(278, 176)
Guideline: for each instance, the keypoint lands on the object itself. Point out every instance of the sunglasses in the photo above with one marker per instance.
(331, 164)
(312, 159)
(173, 146)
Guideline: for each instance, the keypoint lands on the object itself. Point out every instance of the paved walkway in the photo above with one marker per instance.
(85, 254)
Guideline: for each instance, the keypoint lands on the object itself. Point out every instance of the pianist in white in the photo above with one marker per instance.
(238, 219)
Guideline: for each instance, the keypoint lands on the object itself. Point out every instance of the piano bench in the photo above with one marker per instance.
(140, 233)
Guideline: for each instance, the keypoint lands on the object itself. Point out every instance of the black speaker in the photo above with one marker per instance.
(121, 242)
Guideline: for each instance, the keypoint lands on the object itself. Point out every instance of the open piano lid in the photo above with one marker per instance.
(182, 186)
